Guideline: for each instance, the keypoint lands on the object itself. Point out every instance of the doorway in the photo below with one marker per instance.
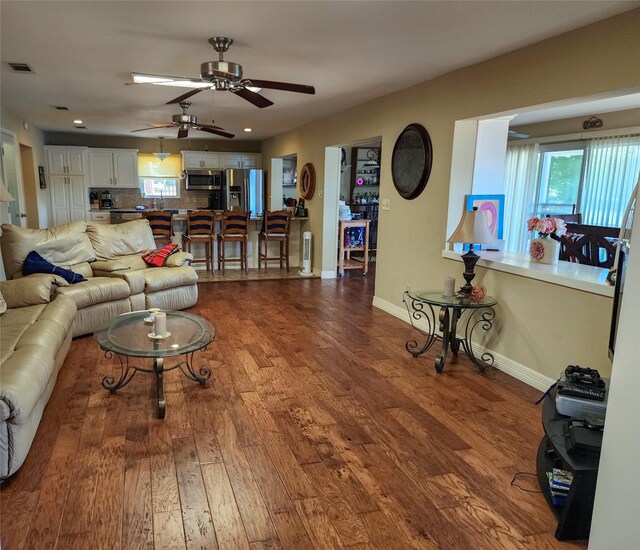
(352, 191)
(12, 177)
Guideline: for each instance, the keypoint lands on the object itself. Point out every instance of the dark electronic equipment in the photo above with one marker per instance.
(582, 382)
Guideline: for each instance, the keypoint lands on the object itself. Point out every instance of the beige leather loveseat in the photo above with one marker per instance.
(35, 333)
(109, 257)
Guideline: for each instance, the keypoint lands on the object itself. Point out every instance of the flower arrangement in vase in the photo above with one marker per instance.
(544, 249)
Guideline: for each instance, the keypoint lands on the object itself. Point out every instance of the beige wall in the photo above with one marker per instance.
(33, 137)
(541, 326)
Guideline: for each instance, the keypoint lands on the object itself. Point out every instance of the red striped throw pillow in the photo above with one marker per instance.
(158, 257)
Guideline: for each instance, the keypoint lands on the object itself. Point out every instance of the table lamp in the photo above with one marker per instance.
(472, 229)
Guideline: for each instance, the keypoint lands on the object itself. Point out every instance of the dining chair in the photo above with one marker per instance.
(276, 227)
(234, 228)
(200, 229)
(161, 225)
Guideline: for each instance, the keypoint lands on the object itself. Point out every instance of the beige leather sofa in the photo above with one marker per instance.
(109, 257)
(35, 333)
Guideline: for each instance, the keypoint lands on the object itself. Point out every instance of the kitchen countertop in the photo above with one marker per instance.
(180, 216)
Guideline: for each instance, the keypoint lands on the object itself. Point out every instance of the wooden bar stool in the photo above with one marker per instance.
(200, 230)
(234, 228)
(161, 225)
(276, 227)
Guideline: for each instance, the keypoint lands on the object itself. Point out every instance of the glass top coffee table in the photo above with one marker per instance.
(129, 335)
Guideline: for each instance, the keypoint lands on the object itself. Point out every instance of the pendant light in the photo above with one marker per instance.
(161, 155)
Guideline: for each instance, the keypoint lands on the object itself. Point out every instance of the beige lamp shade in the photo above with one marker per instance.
(5, 196)
(472, 229)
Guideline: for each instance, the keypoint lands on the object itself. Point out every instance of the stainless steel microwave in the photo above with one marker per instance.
(205, 179)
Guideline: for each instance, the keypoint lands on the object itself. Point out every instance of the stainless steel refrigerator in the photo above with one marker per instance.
(245, 190)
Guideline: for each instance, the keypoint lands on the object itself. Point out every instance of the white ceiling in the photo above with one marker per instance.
(351, 51)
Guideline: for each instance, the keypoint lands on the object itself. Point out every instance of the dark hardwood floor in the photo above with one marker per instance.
(316, 430)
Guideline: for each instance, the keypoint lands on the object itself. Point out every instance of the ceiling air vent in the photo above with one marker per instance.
(80, 127)
(60, 108)
(21, 68)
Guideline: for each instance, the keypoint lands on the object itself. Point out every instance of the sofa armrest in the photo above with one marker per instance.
(101, 267)
(29, 291)
(178, 259)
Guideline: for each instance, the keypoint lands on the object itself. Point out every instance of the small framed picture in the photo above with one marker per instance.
(43, 181)
(494, 206)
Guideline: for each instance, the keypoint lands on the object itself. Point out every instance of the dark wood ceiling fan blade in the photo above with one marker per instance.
(286, 86)
(217, 132)
(154, 127)
(183, 133)
(252, 97)
(182, 97)
(211, 127)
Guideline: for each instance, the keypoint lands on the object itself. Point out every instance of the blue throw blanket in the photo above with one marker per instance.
(34, 263)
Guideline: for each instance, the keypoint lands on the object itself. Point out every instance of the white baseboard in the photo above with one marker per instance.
(506, 365)
(330, 274)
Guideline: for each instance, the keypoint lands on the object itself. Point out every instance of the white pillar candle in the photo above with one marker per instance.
(449, 286)
(160, 324)
(152, 313)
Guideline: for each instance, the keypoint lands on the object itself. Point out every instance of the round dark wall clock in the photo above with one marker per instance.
(411, 161)
(307, 181)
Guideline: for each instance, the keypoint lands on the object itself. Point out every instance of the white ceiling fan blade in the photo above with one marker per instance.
(162, 80)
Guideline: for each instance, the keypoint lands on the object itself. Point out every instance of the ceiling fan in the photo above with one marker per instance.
(185, 122)
(223, 75)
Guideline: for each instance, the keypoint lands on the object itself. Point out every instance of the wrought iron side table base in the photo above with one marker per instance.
(448, 325)
(128, 371)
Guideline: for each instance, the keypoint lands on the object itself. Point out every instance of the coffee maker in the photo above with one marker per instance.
(105, 200)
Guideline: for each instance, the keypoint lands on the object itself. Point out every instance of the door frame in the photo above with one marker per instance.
(7, 135)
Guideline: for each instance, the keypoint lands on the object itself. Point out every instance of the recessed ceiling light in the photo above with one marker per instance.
(77, 121)
(247, 129)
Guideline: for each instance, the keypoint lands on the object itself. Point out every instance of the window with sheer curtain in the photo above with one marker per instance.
(596, 175)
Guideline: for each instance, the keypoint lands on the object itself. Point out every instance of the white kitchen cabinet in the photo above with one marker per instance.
(116, 168)
(68, 199)
(66, 160)
(197, 160)
(242, 160)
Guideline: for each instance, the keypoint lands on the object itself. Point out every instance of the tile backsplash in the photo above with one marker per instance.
(129, 198)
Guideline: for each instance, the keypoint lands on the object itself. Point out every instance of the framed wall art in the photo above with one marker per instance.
(494, 206)
(41, 177)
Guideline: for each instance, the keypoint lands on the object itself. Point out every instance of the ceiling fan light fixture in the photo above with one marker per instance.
(158, 80)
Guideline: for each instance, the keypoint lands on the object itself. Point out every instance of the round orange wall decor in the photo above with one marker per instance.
(307, 181)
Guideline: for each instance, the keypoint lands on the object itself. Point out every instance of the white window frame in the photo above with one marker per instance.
(557, 147)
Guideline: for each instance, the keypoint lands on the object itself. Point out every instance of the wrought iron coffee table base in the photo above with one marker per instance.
(128, 371)
(448, 317)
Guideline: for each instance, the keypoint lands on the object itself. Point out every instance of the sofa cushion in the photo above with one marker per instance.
(96, 290)
(64, 245)
(34, 263)
(113, 241)
(13, 326)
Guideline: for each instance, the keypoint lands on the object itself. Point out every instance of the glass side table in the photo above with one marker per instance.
(420, 306)
(129, 335)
